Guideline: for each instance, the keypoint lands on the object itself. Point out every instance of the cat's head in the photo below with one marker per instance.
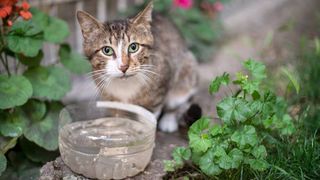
(118, 48)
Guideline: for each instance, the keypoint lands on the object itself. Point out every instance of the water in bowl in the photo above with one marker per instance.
(107, 148)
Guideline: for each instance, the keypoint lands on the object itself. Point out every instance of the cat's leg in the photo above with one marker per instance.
(174, 109)
(183, 88)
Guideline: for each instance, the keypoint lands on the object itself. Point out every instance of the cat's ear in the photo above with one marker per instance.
(89, 25)
(145, 16)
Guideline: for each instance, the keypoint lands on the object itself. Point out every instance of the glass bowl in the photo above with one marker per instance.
(106, 140)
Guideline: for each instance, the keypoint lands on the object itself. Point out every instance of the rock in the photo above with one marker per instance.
(164, 145)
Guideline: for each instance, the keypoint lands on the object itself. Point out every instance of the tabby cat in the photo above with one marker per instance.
(141, 60)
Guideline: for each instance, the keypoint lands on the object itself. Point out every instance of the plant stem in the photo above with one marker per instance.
(5, 65)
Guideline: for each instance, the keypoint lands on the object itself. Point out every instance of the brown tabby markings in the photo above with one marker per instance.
(161, 73)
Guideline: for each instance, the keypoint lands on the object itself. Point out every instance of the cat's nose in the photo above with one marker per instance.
(124, 68)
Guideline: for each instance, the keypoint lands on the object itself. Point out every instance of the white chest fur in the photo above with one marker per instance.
(124, 89)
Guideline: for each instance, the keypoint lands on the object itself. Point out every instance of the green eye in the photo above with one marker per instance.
(107, 51)
(134, 47)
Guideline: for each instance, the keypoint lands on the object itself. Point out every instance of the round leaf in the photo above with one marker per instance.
(245, 136)
(49, 82)
(258, 164)
(31, 61)
(75, 62)
(13, 124)
(45, 132)
(35, 109)
(208, 165)
(25, 38)
(56, 30)
(3, 163)
(259, 152)
(236, 157)
(232, 110)
(36, 153)
(14, 91)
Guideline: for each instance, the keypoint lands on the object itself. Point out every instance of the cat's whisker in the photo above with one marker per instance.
(149, 71)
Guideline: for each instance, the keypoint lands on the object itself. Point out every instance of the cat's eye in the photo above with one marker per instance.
(134, 47)
(107, 51)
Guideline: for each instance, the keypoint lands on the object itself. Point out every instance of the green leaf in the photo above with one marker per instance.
(3, 163)
(31, 61)
(75, 62)
(216, 130)
(236, 157)
(232, 110)
(218, 81)
(169, 165)
(222, 158)
(200, 125)
(209, 165)
(180, 154)
(55, 30)
(258, 164)
(45, 132)
(285, 125)
(14, 91)
(49, 82)
(35, 109)
(25, 38)
(36, 153)
(13, 124)
(245, 136)
(259, 152)
(257, 69)
(198, 136)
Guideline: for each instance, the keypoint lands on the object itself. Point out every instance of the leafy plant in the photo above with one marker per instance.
(197, 21)
(29, 91)
(250, 118)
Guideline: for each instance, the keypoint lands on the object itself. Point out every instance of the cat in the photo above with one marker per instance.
(141, 60)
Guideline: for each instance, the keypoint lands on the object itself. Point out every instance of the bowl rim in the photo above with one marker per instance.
(128, 107)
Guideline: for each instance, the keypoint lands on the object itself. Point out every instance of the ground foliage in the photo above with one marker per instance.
(30, 92)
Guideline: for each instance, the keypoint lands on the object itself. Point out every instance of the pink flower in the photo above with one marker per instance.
(218, 6)
(184, 4)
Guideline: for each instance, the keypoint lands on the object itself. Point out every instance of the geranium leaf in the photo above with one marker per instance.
(236, 157)
(180, 154)
(55, 30)
(49, 82)
(257, 69)
(198, 135)
(45, 132)
(259, 152)
(232, 110)
(75, 62)
(35, 109)
(218, 81)
(208, 165)
(258, 164)
(14, 91)
(31, 61)
(216, 129)
(36, 153)
(13, 123)
(245, 136)
(25, 38)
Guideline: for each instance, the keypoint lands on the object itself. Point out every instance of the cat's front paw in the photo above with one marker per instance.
(168, 123)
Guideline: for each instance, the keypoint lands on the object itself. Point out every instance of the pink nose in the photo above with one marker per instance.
(124, 68)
